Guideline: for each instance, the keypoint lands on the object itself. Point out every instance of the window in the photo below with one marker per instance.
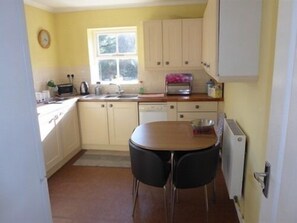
(113, 55)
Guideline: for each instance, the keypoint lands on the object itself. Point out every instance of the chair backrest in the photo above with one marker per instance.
(148, 167)
(197, 168)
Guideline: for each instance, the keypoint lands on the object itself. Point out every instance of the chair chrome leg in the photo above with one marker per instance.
(214, 197)
(165, 204)
(133, 187)
(172, 204)
(206, 198)
(135, 196)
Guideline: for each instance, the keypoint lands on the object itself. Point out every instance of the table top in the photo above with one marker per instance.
(171, 136)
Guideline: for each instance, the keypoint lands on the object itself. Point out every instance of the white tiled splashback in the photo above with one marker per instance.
(153, 81)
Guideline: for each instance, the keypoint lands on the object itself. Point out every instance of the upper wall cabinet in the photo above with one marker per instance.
(231, 39)
(173, 43)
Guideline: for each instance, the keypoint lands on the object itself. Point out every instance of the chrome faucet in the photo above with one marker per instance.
(120, 90)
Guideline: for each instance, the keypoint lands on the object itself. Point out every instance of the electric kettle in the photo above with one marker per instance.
(84, 88)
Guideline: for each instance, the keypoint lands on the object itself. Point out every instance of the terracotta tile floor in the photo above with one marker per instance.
(99, 195)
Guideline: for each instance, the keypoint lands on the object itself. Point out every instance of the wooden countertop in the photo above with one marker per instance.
(147, 98)
(171, 136)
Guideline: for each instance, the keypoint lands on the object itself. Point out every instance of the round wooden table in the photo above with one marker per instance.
(171, 136)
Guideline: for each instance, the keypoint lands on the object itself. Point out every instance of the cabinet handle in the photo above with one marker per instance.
(204, 64)
(158, 63)
(110, 105)
(181, 116)
(167, 63)
(197, 106)
(102, 106)
(207, 65)
(171, 106)
(186, 62)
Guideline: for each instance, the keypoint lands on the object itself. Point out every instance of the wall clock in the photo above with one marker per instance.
(44, 38)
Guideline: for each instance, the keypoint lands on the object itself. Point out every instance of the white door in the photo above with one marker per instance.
(281, 204)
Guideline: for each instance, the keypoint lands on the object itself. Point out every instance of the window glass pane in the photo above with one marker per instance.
(107, 70)
(107, 44)
(127, 43)
(128, 69)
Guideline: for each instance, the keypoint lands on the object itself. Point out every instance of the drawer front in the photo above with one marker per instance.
(197, 106)
(189, 116)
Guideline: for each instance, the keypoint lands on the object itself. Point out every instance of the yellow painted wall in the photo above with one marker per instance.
(249, 103)
(38, 19)
(44, 61)
(72, 27)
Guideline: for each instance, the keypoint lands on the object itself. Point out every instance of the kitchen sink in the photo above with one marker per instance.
(128, 96)
(111, 96)
(121, 96)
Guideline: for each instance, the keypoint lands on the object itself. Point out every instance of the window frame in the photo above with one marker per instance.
(94, 58)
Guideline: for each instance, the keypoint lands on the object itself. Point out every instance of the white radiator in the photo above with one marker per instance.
(233, 153)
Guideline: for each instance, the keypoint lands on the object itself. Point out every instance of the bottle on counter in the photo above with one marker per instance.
(97, 88)
(209, 85)
(141, 88)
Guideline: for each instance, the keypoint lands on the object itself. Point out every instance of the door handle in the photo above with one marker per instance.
(263, 178)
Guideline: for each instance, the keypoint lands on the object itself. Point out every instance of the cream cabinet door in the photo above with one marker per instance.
(213, 42)
(70, 130)
(231, 39)
(210, 37)
(153, 48)
(50, 138)
(192, 42)
(122, 119)
(172, 43)
(93, 123)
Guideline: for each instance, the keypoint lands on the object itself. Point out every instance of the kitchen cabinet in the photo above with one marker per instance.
(175, 43)
(70, 130)
(122, 120)
(172, 43)
(50, 137)
(231, 39)
(188, 111)
(107, 125)
(153, 52)
(60, 136)
(93, 123)
(192, 42)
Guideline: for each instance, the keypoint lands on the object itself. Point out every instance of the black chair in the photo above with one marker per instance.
(148, 168)
(195, 169)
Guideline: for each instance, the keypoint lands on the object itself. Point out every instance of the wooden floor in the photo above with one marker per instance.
(99, 195)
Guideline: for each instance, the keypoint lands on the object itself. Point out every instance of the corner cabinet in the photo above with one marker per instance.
(175, 43)
(59, 132)
(231, 39)
(107, 125)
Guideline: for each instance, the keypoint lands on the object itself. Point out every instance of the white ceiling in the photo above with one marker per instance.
(78, 5)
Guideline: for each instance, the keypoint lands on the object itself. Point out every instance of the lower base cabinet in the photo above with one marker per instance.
(107, 125)
(59, 131)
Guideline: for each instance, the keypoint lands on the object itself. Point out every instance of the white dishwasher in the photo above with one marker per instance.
(152, 112)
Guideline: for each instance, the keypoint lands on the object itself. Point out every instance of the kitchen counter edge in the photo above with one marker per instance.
(165, 98)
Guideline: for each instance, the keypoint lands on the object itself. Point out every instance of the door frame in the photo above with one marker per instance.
(280, 206)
